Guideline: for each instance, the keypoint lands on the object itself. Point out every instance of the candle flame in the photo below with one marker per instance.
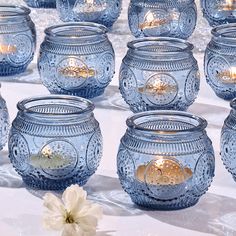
(90, 2)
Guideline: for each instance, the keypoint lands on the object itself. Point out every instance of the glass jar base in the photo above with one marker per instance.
(49, 184)
(226, 95)
(149, 203)
(84, 93)
(41, 4)
(8, 70)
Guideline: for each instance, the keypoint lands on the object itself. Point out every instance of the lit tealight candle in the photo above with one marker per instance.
(157, 88)
(47, 159)
(152, 22)
(7, 49)
(229, 5)
(77, 72)
(163, 172)
(229, 76)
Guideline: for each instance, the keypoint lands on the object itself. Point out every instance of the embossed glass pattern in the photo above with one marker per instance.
(220, 61)
(169, 18)
(218, 12)
(165, 159)
(41, 3)
(17, 39)
(228, 141)
(159, 73)
(77, 59)
(104, 12)
(55, 141)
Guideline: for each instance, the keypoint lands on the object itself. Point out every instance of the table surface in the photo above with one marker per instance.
(21, 208)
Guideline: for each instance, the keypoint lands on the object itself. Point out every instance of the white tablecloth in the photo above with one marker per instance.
(215, 214)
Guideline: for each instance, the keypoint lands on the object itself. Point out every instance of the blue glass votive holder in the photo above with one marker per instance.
(159, 74)
(220, 61)
(218, 12)
(104, 12)
(170, 18)
(41, 3)
(77, 59)
(165, 159)
(55, 141)
(17, 39)
(228, 141)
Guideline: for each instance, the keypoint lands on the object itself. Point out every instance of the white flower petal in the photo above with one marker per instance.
(53, 222)
(73, 198)
(54, 204)
(90, 209)
(72, 230)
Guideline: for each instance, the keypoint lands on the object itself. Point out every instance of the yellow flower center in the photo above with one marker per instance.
(69, 219)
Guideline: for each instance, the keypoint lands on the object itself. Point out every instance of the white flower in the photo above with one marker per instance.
(74, 215)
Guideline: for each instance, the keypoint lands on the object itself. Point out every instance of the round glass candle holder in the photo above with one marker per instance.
(220, 61)
(159, 73)
(165, 159)
(17, 39)
(228, 140)
(41, 3)
(104, 12)
(218, 12)
(76, 59)
(170, 18)
(55, 141)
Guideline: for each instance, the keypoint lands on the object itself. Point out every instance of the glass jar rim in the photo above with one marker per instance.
(59, 31)
(200, 126)
(13, 11)
(89, 106)
(140, 45)
(223, 31)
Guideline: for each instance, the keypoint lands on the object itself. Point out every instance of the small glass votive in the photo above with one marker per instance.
(17, 39)
(170, 18)
(220, 61)
(104, 12)
(55, 141)
(228, 141)
(76, 59)
(218, 12)
(159, 73)
(165, 159)
(41, 3)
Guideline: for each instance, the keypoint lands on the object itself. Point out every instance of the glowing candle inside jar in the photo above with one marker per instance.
(6, 49)
(152, 22)
(163, 172)
(229, 76)
(158, 87)
(76, 70)
(229, 5)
